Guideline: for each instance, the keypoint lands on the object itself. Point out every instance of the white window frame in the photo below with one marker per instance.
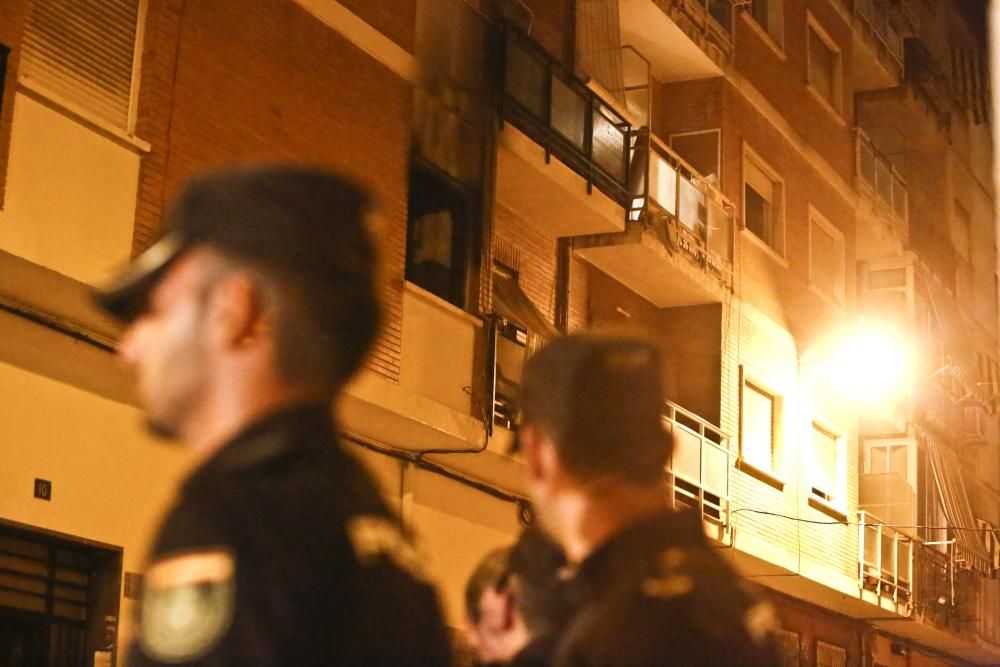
(839, 280)
(835, 105)
(718, 145)
(750, 156)
(836, 497)
(881, 443)
(772, 474)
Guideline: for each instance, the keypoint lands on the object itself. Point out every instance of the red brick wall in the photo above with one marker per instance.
(814, 624)
(537, 254)
(394, 18)
(230, 81)
(14, 13)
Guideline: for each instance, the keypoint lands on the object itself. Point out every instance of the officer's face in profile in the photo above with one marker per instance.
(165, 346)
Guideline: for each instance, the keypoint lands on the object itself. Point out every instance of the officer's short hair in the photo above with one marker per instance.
(491, 573)
(302, 232)
(536, 565)
(600, 399)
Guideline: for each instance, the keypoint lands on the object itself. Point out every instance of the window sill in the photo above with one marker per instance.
(441, 304)
(762, 244)
(827, 105)
(765, 476)
(766, 36)
(827, 508)
(71, 110)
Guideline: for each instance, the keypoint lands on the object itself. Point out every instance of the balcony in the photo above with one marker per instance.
(699, 466)
(563, 155)
(880, 28)
(878, 178)
(683, 39)
(679, 250)
(919, 108)
(885, 563)
(890, 497)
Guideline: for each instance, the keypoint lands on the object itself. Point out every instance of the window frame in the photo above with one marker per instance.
(777, 204)
(840, 280)
(835, 498)
(773, 474)
(835, 105)
(774, 33)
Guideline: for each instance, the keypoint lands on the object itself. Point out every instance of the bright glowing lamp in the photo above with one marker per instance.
(872, 364)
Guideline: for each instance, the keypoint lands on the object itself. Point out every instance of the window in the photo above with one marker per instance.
(768, 15)
(763, 209)
(827, 454)
(830, 655)
(85, 53)
(439, 226)
(760, 417)
(826, 257)
(824, 65)
(788, 648)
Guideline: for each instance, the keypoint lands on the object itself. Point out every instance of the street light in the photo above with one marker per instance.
(870, 363)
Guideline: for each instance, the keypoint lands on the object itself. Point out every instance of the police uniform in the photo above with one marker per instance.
(659, 594)
(279, 551)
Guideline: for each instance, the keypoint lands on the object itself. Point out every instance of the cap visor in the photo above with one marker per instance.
(125, 295)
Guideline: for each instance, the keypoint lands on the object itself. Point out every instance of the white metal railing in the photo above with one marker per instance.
(877, 173)
(703, 215)
(888, 25)
(885, 560)
(699, 465)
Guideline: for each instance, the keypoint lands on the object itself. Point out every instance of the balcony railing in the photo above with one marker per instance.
(888, 23)
(699, 465)
(546, 101)
(885, 560)
(698, 218)
(876, 172)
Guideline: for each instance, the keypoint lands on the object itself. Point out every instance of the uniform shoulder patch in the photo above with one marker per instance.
(375, 537)
(187, 604)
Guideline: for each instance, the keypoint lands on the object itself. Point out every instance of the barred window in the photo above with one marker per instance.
(788, 647)
(830, 655)
(84, 52)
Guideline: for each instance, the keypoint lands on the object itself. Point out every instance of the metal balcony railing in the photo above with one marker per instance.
(885, 560)
(699, 465)
(546, 101)
(888, 24)
(699, 219)
(876, 172)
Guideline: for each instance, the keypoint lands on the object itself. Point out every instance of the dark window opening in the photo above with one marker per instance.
(439, 230)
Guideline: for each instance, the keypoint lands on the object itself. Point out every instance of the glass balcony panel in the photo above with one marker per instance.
(569, 112)
(883, 181)
(722, 12)
(526, 79)
(687, 454)
(867, 165)
(692, 203)
(899, 199)
(716, 467)
(663, 183)
(720, 230)
(871, 549)
(609, 146)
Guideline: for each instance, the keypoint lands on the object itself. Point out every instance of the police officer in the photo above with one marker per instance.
(245, 320)
(648, 588)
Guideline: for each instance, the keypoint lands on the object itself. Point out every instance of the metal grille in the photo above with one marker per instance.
(830, 655)
(788, 647)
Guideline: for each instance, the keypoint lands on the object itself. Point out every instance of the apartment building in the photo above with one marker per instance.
(740, 181)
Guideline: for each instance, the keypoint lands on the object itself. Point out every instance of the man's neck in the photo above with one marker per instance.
(589, 517)
(231, 410)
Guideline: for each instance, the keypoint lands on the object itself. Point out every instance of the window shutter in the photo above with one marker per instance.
(759, 181)
(84, 51)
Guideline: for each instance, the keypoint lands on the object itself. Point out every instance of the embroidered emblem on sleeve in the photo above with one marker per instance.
(375, 537)
(187, 605)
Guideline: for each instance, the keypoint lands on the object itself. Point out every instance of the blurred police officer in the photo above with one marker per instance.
(649, 589)
(515, 603)
(245, 320)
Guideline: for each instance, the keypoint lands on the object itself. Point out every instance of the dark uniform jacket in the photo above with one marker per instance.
(659, 594)
(279, 551)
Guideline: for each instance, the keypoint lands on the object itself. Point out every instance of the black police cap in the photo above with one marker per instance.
(306, 224)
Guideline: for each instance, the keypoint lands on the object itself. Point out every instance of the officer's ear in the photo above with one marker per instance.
(238, 310)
